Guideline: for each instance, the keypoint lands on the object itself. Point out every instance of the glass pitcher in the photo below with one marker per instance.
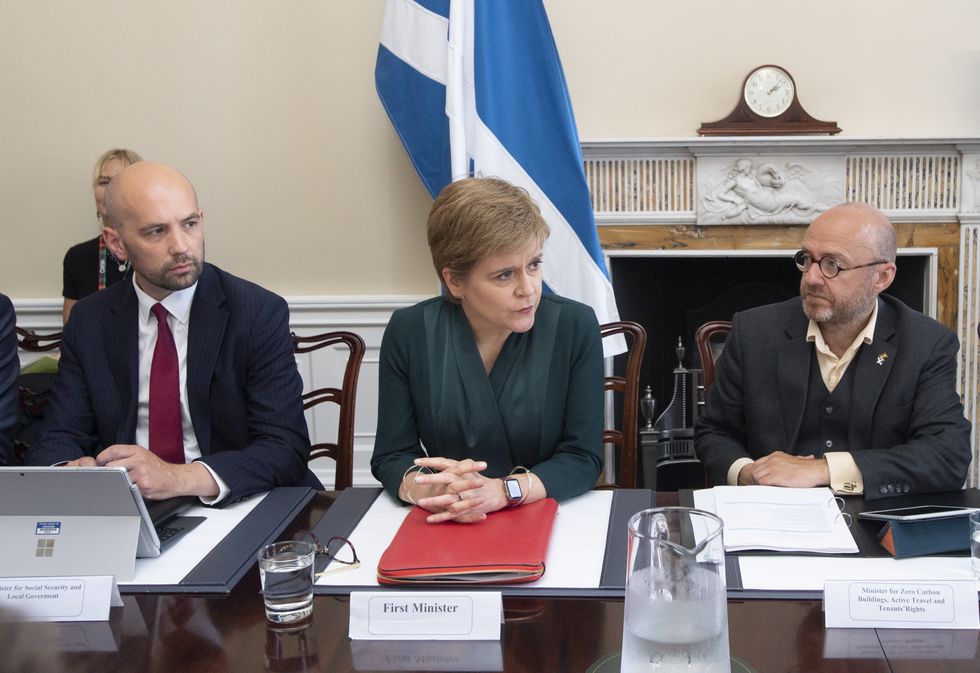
(676, 613)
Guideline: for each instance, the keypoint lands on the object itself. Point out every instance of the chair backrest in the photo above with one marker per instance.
(342, 451)
(710, 339)
(33, 390)
(625, 437)
(31, 341)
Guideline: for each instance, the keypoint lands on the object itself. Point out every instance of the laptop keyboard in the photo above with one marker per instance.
(165, 533)
(174, 529)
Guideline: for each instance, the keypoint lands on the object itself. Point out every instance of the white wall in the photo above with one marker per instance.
(651, 68)
(269, 107)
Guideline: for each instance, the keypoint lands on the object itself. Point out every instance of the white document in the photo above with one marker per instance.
(808, 573)
(575, 554)
(779, 519)
(183, 555)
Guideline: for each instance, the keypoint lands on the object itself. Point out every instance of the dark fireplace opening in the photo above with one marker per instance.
(672, 296)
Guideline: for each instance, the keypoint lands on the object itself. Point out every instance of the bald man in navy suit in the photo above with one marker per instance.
(240, 407)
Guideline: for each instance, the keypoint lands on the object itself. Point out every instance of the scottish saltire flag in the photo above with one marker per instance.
(475, 87)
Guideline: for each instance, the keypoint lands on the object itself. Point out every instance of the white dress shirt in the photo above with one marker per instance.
(178, 305)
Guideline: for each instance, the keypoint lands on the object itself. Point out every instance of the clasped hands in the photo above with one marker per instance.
(455, 490)
(155, 478)
(782, 469)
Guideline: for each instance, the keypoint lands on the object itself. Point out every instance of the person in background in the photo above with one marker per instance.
(9, 369)
(183, 374)
(90, 266)
(491, 395)
(842, 386)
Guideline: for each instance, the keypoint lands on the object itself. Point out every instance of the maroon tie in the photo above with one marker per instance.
(166, 436)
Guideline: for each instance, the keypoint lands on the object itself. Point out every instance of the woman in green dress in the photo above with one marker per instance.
(491, 395)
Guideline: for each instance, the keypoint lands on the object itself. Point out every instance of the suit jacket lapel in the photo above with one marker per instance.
(793, 377)
(872, 367)
(122, 354)
(204, 337)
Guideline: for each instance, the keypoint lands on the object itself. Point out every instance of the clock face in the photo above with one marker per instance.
(769, 91)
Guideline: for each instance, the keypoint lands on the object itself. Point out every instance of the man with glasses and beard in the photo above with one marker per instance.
(184, 375)
(842, 387)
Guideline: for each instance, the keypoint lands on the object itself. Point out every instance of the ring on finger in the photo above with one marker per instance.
(459, 497)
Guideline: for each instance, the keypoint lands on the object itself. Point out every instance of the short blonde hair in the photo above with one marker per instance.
(475, 218)
(128, 157)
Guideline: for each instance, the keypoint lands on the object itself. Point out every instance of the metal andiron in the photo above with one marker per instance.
(672, 434)
(648, 408)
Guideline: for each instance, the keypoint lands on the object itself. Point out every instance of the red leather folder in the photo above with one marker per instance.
(508, 547)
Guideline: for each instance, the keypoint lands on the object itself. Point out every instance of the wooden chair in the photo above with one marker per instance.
(342, 451)
(31, 341)
(626, 436)
(33, 390)
(710, 339)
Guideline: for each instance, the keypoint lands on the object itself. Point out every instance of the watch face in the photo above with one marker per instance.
(513, 489)
(769, 91)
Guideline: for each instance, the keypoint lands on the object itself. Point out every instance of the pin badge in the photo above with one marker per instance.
(881, 358)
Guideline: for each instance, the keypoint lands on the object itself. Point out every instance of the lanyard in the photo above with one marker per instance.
(104, 256)
(103, 253)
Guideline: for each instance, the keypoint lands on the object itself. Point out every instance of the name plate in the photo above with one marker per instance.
(60, 599)
(948, 604)
(429, 615)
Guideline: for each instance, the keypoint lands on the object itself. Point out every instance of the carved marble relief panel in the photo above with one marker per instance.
(767, 190)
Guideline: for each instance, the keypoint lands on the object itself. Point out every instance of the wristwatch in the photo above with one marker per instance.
(512, 491)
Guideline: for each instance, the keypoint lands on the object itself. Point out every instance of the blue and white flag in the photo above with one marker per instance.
(475, 87)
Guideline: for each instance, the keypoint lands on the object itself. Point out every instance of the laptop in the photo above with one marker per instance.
(161, 523)
(80, 521)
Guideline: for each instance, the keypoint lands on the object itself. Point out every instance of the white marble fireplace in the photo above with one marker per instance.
(737, 199)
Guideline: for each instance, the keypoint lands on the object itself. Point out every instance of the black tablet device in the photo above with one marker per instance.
(919, 513)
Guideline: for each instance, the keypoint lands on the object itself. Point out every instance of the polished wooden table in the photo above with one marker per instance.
(191, 634)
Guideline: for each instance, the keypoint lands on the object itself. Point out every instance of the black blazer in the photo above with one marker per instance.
(9, 370)
(906, 428)
(243, 387)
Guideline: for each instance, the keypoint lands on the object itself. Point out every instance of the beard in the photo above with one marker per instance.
(167, 280)
(824, 309)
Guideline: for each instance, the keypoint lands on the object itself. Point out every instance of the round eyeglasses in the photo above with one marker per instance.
(337, 550)
(828, 266)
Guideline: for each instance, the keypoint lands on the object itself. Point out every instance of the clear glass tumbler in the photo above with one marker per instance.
(286, 569)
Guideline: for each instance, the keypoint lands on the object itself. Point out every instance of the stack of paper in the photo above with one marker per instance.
(779, 519)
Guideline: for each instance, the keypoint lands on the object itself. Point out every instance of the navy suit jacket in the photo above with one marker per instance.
(906, 429)
(9, 370)
(243, 387)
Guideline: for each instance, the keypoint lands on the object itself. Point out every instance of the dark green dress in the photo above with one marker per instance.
(541, 405)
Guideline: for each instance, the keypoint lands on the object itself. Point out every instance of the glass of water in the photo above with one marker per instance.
(286, 569)
(975, 544)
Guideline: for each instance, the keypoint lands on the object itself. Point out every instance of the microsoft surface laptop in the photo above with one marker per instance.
(76, 521)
